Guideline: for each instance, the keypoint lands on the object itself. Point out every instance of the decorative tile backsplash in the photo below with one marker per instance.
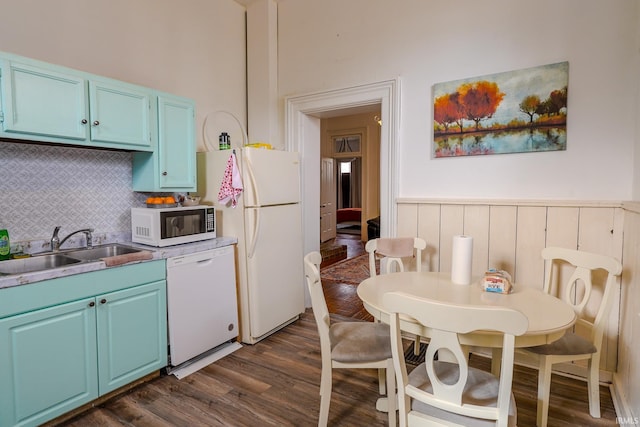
(43, 186)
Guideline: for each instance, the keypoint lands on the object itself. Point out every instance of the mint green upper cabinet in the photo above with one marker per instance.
(176, 142)
(172, 167)
(119, 114)
(43, 102)
(49, 103)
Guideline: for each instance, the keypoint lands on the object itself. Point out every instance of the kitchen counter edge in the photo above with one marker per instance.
(158, 253)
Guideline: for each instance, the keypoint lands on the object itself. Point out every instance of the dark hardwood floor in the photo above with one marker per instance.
(276, 383)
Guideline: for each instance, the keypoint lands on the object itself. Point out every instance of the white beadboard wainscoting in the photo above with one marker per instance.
(626, 379)
(510, 234)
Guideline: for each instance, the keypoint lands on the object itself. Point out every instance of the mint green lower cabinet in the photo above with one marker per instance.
(48, 363)
(64, 342)
(132, 334)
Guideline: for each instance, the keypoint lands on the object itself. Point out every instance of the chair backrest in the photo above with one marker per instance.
(584, 266)
(446, 321)
(320, 311)
(394, 249)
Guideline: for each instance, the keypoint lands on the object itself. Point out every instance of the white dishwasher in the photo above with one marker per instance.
(202, 303)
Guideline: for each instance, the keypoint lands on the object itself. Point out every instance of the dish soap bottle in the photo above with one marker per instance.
(224, 141)
(5, 247)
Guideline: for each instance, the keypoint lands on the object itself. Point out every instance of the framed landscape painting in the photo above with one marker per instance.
(514, 112)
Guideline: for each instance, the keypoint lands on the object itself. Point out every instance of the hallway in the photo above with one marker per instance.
(342, 298)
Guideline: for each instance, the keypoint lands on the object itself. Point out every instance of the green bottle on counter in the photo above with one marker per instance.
(5, 247)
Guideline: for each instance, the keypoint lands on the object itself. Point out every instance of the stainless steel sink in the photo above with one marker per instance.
(97, 252)
(36, 263)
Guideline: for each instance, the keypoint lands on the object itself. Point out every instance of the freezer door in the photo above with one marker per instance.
(270, 177)
(274, 266)
(211, 167)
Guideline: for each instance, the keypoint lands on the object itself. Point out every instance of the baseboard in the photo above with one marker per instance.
(624, 412)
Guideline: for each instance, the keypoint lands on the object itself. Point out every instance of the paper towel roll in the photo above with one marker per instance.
(461, 259)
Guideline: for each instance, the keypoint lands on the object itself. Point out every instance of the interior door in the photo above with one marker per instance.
(327, 200)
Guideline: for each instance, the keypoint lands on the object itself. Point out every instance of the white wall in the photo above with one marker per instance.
(426, 42)
(192, 48)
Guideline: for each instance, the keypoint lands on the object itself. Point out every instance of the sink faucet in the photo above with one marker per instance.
(56, 242)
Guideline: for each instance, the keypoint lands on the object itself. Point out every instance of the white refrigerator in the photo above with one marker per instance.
(267, 221)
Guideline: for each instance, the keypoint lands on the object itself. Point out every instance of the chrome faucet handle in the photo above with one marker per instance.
(55, 240)
(89, 237)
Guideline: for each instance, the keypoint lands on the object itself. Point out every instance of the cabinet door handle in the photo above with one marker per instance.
(92, 303)
(103, 301)
(84, 121)
(96, 123)
(164, 173)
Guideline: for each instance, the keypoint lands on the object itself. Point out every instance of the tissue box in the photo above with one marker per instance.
(497, 281)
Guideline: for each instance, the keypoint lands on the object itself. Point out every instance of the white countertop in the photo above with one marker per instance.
(158, 253)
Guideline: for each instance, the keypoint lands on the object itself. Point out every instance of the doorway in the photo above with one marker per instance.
(350, 173)
(302, 126)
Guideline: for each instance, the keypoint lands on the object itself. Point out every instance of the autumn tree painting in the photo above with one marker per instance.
(518, 111)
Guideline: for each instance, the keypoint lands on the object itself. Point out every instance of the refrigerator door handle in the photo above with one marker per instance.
(252, 178)
(256, 230)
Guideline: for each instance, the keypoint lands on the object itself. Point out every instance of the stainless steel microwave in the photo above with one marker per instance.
(172, 226)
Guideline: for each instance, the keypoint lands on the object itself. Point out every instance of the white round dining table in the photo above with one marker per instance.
(549, 317)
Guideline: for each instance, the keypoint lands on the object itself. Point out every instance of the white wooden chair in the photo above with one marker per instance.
(572, 346)
(349, 345)
(392, 251)
(452, 393)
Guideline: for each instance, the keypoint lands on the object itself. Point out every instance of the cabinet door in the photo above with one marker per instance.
(132, 334)
(176, 143)
(43, 102)
(119, 114)
(48, 362)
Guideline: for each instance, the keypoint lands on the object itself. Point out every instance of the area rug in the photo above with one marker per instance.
(351, 271)
(415, 359)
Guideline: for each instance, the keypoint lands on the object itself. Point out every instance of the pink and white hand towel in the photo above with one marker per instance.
(231, 187)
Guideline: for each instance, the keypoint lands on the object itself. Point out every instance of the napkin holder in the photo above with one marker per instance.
(497, 281)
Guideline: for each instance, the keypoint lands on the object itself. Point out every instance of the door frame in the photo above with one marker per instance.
(302, 134)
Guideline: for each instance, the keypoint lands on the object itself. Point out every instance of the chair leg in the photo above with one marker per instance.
(392, 398)
(416, 345)
(325, 396)
(594, 385)
(544, 387)
(496, 361)
(382, 385)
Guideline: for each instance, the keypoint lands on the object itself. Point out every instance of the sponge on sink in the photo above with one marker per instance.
(126, 258)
